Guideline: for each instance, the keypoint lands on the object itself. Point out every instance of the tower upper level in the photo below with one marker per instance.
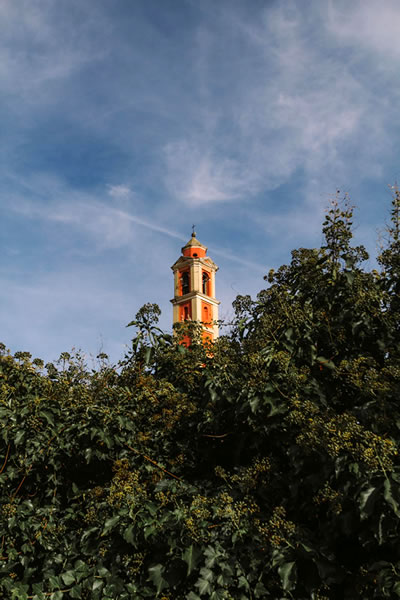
(194, 248)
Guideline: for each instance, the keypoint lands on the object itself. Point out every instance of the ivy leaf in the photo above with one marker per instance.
(76, 592)
(110, 524)
(97, 583)
(68, 577)
(48, 416)
(147, 355)
(326, 363)
(388, 495)
(289, 333)
(128, 535)
(19, 437)
(288, 575)
(212, 555)
(396, 588)
(156, 577)
(259, 590)
(54, 581)
(204, 586)
(220, 595)
(254, 404)
(367, 501)
(191, 556)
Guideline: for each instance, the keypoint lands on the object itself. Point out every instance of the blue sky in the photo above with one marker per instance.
(124, 122)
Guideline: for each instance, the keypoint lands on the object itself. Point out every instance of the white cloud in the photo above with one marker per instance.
(41, 48)
(369, 25)
(197, 177)
(119, 191)
(110, 227)
(292, 100)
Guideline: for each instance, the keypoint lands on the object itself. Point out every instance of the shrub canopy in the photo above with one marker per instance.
(265, 466)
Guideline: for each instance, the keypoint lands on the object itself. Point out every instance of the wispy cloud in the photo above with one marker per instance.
(199, 175)
(296, 101)
(38, 49)
(119, 191)
(110, 226)
(368, 26)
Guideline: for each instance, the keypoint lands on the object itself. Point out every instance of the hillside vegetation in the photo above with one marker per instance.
(265, 466)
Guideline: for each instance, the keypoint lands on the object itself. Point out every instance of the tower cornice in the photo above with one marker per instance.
(188, 260)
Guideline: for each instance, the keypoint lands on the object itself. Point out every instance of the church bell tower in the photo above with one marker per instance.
(194, 297)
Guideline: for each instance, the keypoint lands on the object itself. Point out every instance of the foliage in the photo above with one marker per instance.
(266, 466)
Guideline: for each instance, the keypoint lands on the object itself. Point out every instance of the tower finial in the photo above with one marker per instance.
(193, 231)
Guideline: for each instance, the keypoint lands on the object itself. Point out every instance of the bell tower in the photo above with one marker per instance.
(194, 296)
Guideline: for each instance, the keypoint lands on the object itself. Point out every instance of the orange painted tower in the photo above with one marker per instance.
(194, 297)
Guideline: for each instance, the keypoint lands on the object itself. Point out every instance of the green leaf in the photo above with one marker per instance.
(204, 582)
(326, 363)
(19, 593)
(221, 594)
(57, 596)
(289, 333)
(88, 532)
(149, 531)
(110, 524)
(152, 508)
(367, 500)
(54, 581)
(288, 575)
(191, 556)
(204, 586)
(128, 534)
(68, 577)
(243, 583)
(19, 437)
(388, 495)
(48, 416)
(212, 554)
(147, 355)
(259, 590)
(97, 583)
(76, 592)
(254, 404)
(396, 588)
(156, 577)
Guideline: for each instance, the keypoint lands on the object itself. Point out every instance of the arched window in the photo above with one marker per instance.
(207, 314)
(186, 313)
(185, 286)
(206, 283)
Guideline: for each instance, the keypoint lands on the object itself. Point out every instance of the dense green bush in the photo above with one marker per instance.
(266, 466)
